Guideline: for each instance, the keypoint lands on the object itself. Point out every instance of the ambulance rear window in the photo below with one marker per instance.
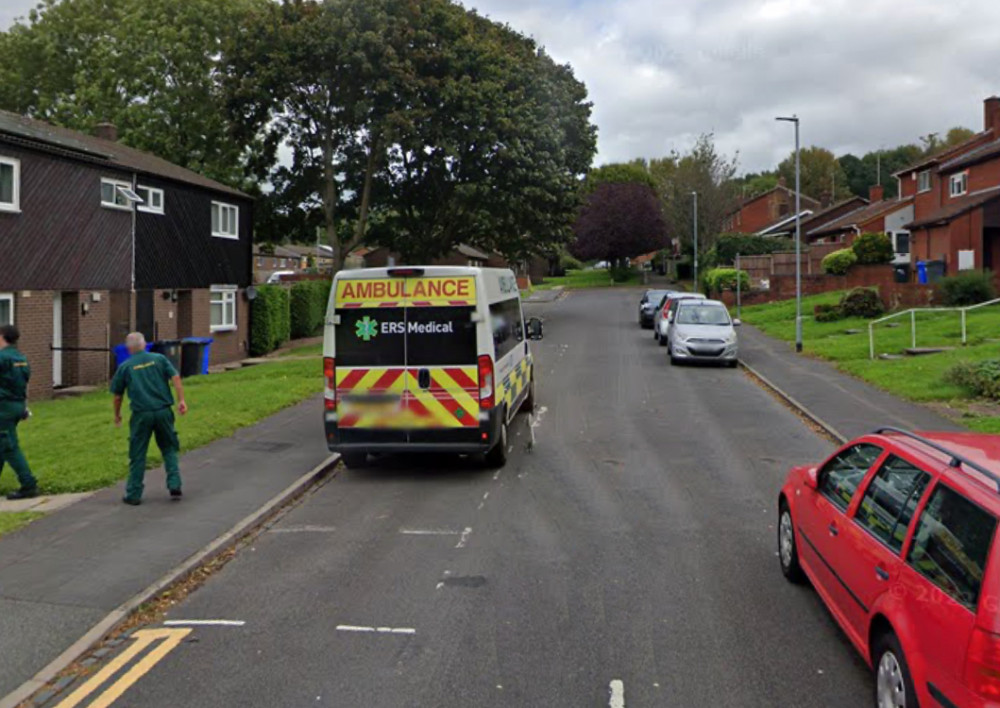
(440, 336)
(371, 337)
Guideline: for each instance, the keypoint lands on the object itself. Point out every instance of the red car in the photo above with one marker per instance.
(896, 533)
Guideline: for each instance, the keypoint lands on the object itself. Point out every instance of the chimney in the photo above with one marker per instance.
(992, 115)
(826, 199)
(876, 193)
(106, 131)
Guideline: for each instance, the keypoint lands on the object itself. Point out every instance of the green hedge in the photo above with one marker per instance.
(873, 249)
(980, 377)
(719, 279)
(839, 262)
(270, 319)
(968, 288)
(308, 301)
(728, 245)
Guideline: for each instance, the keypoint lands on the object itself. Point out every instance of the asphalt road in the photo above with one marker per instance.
(626, 559)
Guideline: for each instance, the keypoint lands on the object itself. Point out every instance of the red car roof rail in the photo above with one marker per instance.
(955, 460)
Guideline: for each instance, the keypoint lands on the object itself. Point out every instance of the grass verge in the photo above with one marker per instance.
(306, 350)
(920, 378)
(72, 445)
(577, 279)
(11, 521)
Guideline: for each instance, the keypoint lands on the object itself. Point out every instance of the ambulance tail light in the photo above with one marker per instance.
(982, 664)
(330, 385)
(486, 383)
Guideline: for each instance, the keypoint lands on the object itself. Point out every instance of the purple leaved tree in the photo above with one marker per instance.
(619, 221)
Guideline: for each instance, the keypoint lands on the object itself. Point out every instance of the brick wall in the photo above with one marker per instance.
(89, 330)
(165, 315)
(33, 316)
(228, 346)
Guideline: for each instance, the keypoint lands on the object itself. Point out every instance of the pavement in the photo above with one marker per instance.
(44, 504)
(62, 574)
(848, 405)
(625, 556)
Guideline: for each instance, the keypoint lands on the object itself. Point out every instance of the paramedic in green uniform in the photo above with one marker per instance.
(147, 378)
(14, 375)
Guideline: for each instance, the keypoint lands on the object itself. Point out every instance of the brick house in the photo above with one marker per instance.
(267, 263)
(462, 255)
(785, 227)
(956, 198)
(764, 210)
(99, 239)
(876, 215)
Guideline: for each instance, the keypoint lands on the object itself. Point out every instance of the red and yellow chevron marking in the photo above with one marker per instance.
(451, 401)
(406, 292)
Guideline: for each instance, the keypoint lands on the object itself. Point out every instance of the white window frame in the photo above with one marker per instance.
(233, 235)
(8, 297)
(959, 184)
(147, 203)
(921, 188)
(115, 184)
(13, 207)
(228, 293)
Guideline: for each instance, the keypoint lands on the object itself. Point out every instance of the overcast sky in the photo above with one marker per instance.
(860, 73)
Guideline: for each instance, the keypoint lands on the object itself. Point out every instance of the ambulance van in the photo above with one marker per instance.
(426, 359)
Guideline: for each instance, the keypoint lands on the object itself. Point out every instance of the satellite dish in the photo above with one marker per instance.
(251, 293)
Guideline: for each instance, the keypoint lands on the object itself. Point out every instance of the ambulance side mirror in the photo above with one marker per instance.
(535, 328)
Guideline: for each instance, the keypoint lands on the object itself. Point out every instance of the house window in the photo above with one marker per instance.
(225, 220)
(223, 308)
(959, 184)
(6, 308)
(902, 239)
(924, 181)
(115, 194)
(152, 199)
(10, 184)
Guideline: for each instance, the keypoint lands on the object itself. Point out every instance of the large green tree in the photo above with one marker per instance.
(151, 68)
(821, 174)
(415, 125)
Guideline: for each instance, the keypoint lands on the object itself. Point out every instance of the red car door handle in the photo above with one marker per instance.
(833, 530)
(881, 573)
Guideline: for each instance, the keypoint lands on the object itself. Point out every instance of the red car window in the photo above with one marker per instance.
(891, 499)
(840, 477)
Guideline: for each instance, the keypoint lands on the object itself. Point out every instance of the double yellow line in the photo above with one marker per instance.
(165, 641)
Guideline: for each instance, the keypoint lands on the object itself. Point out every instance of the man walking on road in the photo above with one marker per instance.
(14, 375)
(146, 377)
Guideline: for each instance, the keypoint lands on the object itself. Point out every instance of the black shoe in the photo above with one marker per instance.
(23, 494)
(176, 493)
(132, 502)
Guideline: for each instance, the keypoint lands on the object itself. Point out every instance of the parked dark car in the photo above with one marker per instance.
(648, 304)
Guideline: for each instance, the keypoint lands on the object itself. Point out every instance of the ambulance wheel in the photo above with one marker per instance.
(529, 403)
(354, 460)
(497, 457)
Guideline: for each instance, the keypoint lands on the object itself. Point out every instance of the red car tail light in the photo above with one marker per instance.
(330, 386)
(486, 383)
(982, 663)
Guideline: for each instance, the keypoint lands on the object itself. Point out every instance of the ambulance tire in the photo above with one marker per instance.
(497, 457)
(354, 460)
(529, 402)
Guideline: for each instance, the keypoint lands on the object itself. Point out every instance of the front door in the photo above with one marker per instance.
(145, 320)
(57, 340)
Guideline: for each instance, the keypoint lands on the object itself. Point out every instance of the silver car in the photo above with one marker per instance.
(661, 324)
(703, 331)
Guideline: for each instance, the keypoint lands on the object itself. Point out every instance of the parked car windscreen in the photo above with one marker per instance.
(702, 315)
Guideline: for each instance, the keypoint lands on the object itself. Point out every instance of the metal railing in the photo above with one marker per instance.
(964, 311)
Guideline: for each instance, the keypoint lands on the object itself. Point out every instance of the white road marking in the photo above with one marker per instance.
(430, 532)
(303, 529)
(464, 538)
(617, 694)
(204, 623)
(375, 630)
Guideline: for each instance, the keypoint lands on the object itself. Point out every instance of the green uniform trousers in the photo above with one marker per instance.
(143, 426)
(11, 413)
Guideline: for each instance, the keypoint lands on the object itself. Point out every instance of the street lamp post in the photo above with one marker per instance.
(695, 195)
(798, 234)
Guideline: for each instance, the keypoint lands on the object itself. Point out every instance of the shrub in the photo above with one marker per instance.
(839, 262)
(719, 279)
(828, 313)
(307, 307)
(862, 302)
(968, 288)
(568, 262)
(728, 245)
(982, 378)
(621, 273)
(270, 319)
(873, 249)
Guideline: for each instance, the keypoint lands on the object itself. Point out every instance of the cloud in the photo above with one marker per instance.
(861, 74)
